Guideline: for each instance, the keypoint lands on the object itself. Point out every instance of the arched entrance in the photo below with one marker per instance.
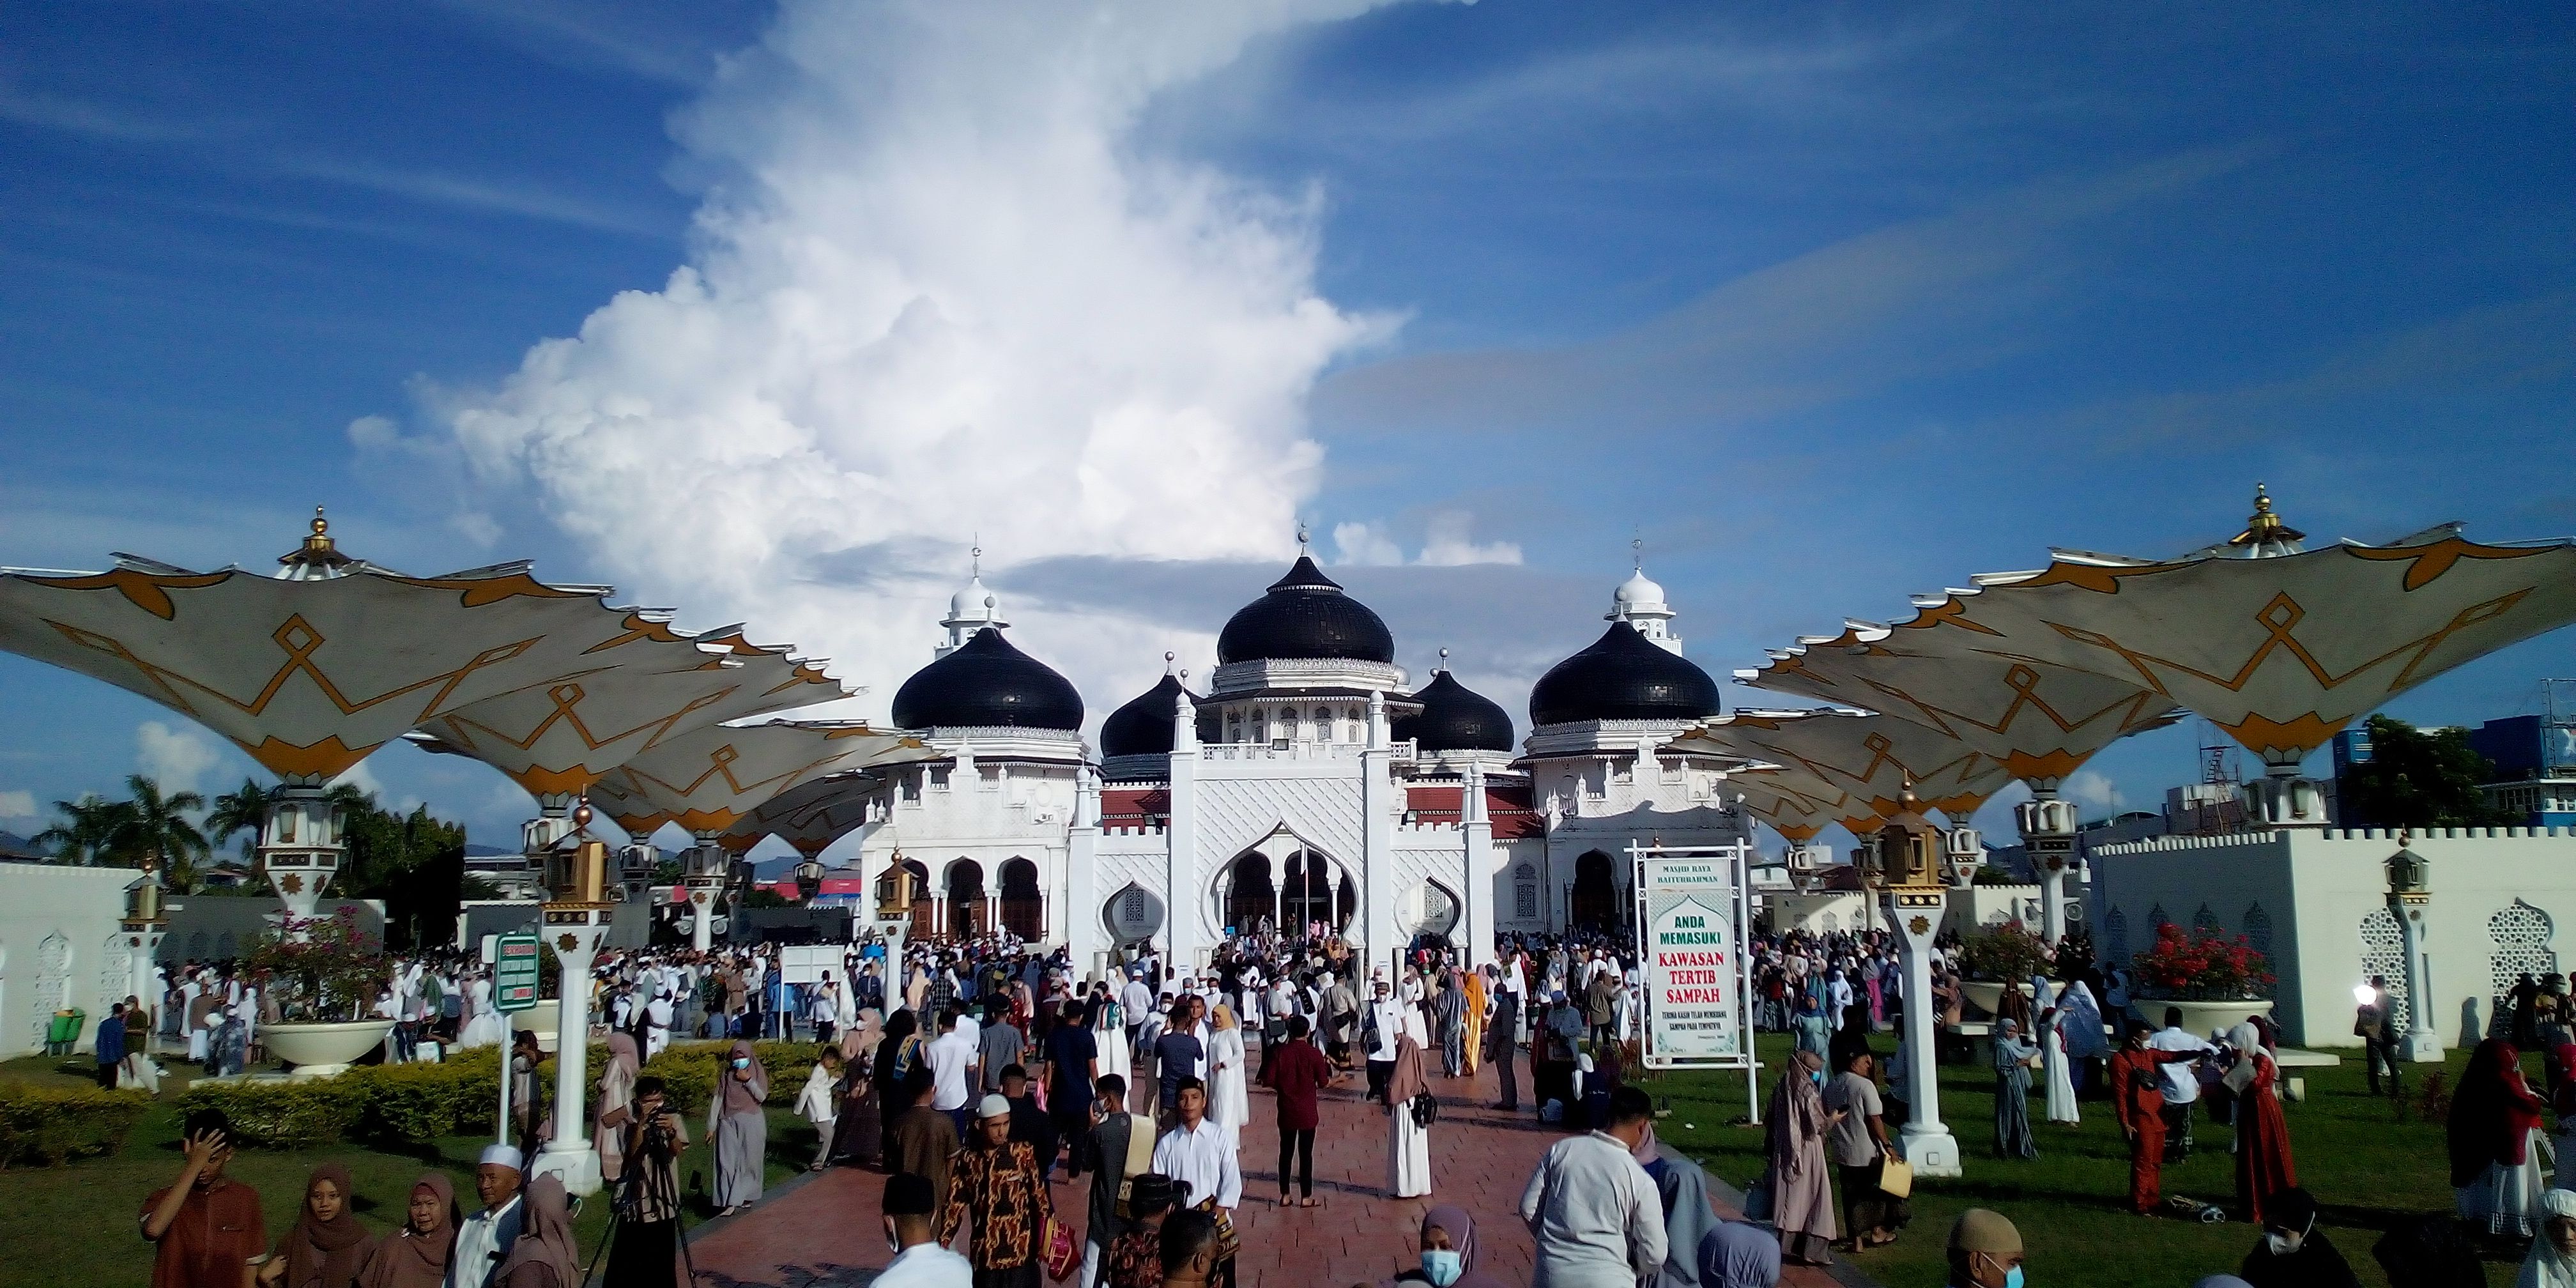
(1250, 895)
(1307, 893)
(1593, 903)
(1023, 902)
(965, 899)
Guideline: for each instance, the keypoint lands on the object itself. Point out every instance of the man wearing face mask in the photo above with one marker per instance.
(912, 1234)
(1985, 1251)
(1384, 1022)
(2294, 1253)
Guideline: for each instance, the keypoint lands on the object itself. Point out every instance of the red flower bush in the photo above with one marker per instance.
(2202, 966)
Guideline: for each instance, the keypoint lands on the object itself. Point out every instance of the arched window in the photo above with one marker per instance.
(2206, 922)
(2156, 918)
(1023, 902)
(2521, 934)
(1525, 892)
(2258, 929)
(2115, 937)
(1593, 904)
(53, 984)
(1827, 923)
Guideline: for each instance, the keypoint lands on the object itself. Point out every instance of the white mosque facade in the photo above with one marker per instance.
(1311, 783)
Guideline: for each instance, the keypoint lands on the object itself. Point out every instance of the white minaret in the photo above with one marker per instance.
(1640, 603)
(970, 609)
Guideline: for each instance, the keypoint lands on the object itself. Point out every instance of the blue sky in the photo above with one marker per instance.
(1828, 303)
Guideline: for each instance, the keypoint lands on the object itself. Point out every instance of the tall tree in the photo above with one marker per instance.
(243, 809)
(156, 829)
(89, 831)
(2416, 778)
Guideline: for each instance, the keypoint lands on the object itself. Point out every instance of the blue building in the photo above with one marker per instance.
(2535, 767)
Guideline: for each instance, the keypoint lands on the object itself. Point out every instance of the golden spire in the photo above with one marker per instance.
(2264, 527)
(319, 556)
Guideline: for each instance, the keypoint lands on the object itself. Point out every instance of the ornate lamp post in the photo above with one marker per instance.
(894, 918)
(1902, 864)
(299, 848)
(144, 927)
(2410, 897)
(2048, 835)
(809, 879)
(576, 916)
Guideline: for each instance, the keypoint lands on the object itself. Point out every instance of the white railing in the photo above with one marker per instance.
(1285, 750)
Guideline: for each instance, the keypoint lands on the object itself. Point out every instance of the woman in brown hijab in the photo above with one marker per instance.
(1408, 1142)
(415, 1256)
(327, 1245)
(545, 1255)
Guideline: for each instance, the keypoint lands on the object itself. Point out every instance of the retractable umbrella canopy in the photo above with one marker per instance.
(1843, 766)
(311, 669)
(809, 817)
(2039, 719)
(710, 780)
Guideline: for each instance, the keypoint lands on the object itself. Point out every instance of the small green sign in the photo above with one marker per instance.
(514, 973)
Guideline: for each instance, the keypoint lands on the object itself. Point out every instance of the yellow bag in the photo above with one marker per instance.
(1895, 1177)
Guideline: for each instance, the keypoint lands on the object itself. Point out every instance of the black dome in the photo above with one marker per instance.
(1455, 718)
(1305, 615)
(1622, 676)
(1143, 727)
(986, 682)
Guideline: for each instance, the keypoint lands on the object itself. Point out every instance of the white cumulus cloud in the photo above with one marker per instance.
(178, 757)
(2095, 792)
(939, 288)
(17, 804)
(1445, 544)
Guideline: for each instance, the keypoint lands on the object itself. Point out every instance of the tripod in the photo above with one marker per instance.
(649, 1183)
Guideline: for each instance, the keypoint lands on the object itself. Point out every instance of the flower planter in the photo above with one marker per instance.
(2200, 1018)
(1987, 994)
(540, 1020)
(321, 1050)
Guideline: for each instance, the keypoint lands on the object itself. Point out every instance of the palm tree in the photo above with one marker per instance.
(156, 829)
(243, 809)
(90, 830)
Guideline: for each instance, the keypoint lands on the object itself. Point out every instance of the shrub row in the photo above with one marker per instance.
(51, 1125)
(410, 1103)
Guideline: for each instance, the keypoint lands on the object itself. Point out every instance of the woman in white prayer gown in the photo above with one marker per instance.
(482, 1024)
(1109, 1038)
(1228, 1102)
(2052, 1053)
(1408, 1144)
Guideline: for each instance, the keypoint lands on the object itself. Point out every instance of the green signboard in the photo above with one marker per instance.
(514, 972)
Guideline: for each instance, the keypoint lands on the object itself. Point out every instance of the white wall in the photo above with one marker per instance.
(59, 946)
(2317, 887)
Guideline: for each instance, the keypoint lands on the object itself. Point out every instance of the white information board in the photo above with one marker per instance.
(811, 963)
(1693, 910)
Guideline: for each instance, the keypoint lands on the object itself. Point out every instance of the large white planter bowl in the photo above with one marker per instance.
(2199, 1018)
(321, 1050)
(1987, 994)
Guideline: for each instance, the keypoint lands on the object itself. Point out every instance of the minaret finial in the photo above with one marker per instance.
(1637, 551)
(1444, 661)
(975, 556)
(1301, 536)
(2264, 527)
(1168, 657)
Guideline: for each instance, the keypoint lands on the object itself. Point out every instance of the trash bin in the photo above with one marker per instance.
(64, 1032)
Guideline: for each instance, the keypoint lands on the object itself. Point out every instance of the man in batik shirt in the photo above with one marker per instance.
(998, 1181)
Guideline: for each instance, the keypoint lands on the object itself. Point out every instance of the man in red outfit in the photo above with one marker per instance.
(1297, 1073)
(2137, 1096)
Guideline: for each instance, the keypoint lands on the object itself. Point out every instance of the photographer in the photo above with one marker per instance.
(206, 1225)
(646, 1249)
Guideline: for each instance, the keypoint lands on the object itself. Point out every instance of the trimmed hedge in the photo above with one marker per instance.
(418, 1102)
(52, 1125)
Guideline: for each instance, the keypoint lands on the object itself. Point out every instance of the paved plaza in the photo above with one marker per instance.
(824, 1232)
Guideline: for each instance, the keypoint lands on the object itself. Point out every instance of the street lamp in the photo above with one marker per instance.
(1903, 864)
(576, 918)
(2410, 898)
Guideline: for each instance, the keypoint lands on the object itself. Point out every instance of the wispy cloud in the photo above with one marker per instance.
(480, 196)
(624, 37)
(1850, 318)
(95, 120)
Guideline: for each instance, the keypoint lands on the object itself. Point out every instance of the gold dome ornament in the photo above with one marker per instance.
(318, 557)
(2263, 527)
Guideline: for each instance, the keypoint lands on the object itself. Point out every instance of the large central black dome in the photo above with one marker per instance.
(1305, 615)
(987, 683)
(1143, 727)
(1455, 718)
(1623, 676)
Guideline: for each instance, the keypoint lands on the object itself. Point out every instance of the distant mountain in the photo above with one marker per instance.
(473, 851)
(14, 846)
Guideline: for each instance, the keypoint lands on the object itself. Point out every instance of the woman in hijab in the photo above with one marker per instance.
(858, 1134)
(2013, 1058)
(616, 1102)
(1802, 1196)
(1448, 1252)
(1739, 1254)
(1849, 1040)
(2495, 1120)
(1408, 1143)
(1472, 1037)
(415, 1256)
(1813, 1030)
(2053, 1056)
(738, 1127)
(2552, 1260)
(898, 1052)
(327, 1247)
(1109, 1038)
(2086, 1044)
(2294, 1253)
(2263, 1165)
(545, 1255)
(1228, 1101)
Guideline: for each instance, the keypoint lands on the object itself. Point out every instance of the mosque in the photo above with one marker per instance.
(1311, 784)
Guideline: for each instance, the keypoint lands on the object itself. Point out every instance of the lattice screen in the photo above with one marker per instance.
(2521, 934)
(2383, 952)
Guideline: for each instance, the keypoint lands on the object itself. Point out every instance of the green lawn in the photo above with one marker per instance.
(2363, 1163)
(75, 1224)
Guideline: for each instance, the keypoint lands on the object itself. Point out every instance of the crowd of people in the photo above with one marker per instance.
(982, 1075)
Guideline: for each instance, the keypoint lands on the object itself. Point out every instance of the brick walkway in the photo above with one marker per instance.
(824, 1232)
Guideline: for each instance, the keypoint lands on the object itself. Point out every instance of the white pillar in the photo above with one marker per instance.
(702, 887)
(1184, 903)
(1379, 807)
(1081, 903)
(2423, 1039)
(142, 974)
(1915, 916)
(2048, 837)
(1479, 892)
(576, 933)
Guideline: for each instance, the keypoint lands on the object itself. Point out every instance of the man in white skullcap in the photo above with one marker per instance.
(486, 1236)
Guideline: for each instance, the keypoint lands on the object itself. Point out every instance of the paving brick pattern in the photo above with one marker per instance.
(825, 1232)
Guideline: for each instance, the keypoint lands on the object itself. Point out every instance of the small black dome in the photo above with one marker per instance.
(1455, 718)
(985, 683)
(1622, 676)
(1143, 727)
(1305, 615)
